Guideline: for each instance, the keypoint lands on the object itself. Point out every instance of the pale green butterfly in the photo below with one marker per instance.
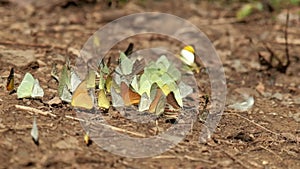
(29, 87)
(67, 84)
(64, 80)
(116, 99)
(66, 95)
(126, 64)
(34, 131)
(37, 90)
(75, 81)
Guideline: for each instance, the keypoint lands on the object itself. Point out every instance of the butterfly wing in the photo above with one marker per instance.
(187, 55)
(34, 131)
(26, 86)
(172, 101)
(102, 100)
(66, 95)
(159, 95)
(160, 107)
(37, 90)
(75, 81)
(129, 49)
(130, 97)
(144, 102)
(63, 80)
(116, 99)
(10, 81)
(91, 79)
(81, 97)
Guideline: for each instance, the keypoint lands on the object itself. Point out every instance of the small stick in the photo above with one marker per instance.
(112, 127)
(21, 127)
(258, 125)
(34, 110)
(73, 118)
(164, 157)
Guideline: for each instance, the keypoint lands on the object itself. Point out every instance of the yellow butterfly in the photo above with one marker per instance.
(81, 97)
(87, 139)
(103, 102)
(10, 85)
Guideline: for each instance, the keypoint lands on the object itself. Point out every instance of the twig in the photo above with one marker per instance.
(34, 110)
(258, 125)
(186, 157)
(164, 157)
(74, 118)
(112, 127)
(21, 127)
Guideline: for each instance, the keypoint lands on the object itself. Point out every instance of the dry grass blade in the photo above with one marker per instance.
(34, 110)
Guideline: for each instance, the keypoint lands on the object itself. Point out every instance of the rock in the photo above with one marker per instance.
(54, 101)
(264, 162)
(18, 58)
(277, 96)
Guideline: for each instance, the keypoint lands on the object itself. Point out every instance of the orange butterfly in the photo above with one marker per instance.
(129, 97)
(172, 101)
(158, 103)
(10, 81)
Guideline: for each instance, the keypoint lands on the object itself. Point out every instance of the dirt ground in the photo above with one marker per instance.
(37, 34)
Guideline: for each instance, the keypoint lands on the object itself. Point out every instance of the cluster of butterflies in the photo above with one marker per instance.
(151, 87)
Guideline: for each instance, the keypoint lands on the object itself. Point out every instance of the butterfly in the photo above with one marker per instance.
(129, 49)
(81, 97)
(10, 85)
(129, 97)
(103, 102)
(171, 100)
(87, 139)
(34, 132)
(68, 82)
(187, 55)
(160, 101)
(158, 104)
(64, 81)
(29, 87)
